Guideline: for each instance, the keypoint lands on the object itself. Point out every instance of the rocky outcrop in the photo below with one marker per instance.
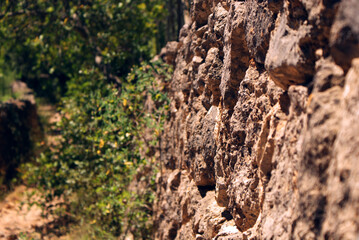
(262, 138)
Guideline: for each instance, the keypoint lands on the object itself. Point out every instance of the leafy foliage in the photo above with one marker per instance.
(48, 41)
(99, 153)
(80, 54)
(7, 76)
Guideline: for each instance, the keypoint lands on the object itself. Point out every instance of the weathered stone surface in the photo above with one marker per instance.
(255, 151)
(168, 53)
(344, 37)
(342, 191)
(236, 56)
(202, 147)
(327, 75)
(289, 59)
(200, 11)
(259, 22)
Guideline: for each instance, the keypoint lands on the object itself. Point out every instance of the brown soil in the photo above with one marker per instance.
(19, 220)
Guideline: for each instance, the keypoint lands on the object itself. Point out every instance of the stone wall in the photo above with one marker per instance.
(263, 135)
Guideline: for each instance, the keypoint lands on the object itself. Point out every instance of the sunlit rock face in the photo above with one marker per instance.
(263, 134)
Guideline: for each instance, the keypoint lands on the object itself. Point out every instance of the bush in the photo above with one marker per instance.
(99, 153)
(49, 42)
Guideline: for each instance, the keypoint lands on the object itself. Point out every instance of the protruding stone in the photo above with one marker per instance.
(221, 192)
(344, 37)
(290, 57)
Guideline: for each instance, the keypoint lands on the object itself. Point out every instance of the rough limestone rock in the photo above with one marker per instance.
(259, 22)
(263, 132)
(344, 38)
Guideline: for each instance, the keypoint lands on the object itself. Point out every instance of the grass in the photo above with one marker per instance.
(82, 231)
(87, 231)
(7, 77)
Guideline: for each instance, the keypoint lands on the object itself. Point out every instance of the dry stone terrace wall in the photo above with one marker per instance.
(263, 135)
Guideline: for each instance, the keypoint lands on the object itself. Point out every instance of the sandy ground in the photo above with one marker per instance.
(18, 219)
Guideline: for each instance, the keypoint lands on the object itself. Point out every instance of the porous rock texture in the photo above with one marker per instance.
(262, 141)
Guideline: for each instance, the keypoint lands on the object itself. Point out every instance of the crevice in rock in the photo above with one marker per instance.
(298, 14)
(319, 214)
(172, 233)
(204, 189)
(227, 215)
(284, 102)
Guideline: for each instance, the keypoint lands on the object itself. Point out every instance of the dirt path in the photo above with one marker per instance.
(18, 220)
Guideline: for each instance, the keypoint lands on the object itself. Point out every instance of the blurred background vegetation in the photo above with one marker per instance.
(90, 59)
(46, 43)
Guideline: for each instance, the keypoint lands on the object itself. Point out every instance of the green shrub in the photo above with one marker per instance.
(98, 155)
(7, 77)
(48, 42)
